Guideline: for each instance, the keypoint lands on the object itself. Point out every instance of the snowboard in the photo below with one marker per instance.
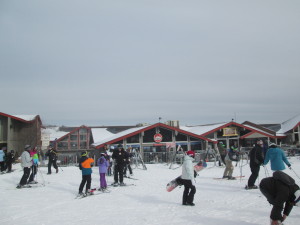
(175, 182)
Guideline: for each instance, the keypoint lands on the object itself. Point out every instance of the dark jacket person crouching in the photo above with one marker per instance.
(282, 192)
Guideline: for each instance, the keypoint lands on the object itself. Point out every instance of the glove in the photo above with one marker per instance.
(193, 182)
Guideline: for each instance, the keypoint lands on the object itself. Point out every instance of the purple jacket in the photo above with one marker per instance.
(103, 164)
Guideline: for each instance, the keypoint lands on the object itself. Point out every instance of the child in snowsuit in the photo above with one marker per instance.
(34, 167)
(85, 165)
(103, 165)
(282, 192)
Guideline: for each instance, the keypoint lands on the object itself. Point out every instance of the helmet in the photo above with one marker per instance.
(84, 153)
(272, 144)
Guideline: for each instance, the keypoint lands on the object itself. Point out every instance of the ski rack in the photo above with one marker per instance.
(139, 160)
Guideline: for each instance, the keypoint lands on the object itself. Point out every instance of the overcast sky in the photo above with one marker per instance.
(108, 62)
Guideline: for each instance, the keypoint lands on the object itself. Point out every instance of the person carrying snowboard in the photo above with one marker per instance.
(103, 165)
(85, 165)
(256, 160)
(283, 193)
(187, 179)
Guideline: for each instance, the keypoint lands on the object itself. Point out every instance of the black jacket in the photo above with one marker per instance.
(120, 157)
(279, 193)
(52, 154)
(256, 156)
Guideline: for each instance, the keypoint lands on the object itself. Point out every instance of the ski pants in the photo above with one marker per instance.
(228, 169)
(189, 191)
(25, 176)
(254, 175)
(86, 179)
(2, 166)
(50, 164)
(118, 173)
(33, 172)
(103, 183)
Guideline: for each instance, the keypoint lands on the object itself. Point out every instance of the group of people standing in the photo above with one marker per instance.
(280, 190)
(119, 160)
(6, 160)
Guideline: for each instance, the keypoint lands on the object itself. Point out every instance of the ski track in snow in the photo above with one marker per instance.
(147, 203)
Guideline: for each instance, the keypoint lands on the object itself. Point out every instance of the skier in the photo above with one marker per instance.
(52, 158)
(256, 160)
(2, 160)
(85, 165)
(26, 163)
(10, 159)
(187, 179)
(119, 157)
(223, 152)
(277, 157)
(282, 192)
(129, 155)
(232, 155)
(34, 167)
(103, 165)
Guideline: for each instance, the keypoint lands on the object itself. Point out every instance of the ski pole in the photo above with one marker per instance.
(295, 172)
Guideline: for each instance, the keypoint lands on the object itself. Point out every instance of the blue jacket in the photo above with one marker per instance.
(2, 155)
(277, 157)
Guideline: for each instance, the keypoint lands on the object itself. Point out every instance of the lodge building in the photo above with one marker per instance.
(159, 138)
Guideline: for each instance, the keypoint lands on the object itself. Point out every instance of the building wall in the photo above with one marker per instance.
(21, 134)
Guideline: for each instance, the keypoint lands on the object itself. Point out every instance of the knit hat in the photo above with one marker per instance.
(191, 153)
(297, 199)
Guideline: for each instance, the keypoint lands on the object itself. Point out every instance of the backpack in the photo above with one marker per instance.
(284, 178)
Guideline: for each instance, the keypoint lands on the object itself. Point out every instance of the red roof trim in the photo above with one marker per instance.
(16, 118)
(73, 131)
(298, 124)
(151, 127)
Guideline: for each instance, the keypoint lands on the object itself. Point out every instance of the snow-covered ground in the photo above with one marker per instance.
(148, 203)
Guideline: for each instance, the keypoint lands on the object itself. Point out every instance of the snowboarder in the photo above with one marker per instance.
(187, 179)
(26, 163)
(85, 165)
(232, 155)
(35, 160)
(52, 158)
(119, 157)
(282, 192)
(277, 157)
(256, 160)
(103, 165)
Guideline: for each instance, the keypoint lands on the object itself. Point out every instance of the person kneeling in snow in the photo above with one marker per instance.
(86, 168)
(282, 192)
(187, 179)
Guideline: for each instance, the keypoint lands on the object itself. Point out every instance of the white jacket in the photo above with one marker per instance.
(187, 168)
(26, 160)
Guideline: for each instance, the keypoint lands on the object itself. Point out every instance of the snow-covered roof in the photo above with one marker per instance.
(289, 124)
(26, 117)
(100, 134)
(201, 129)
(118, 135)
(54, 133)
